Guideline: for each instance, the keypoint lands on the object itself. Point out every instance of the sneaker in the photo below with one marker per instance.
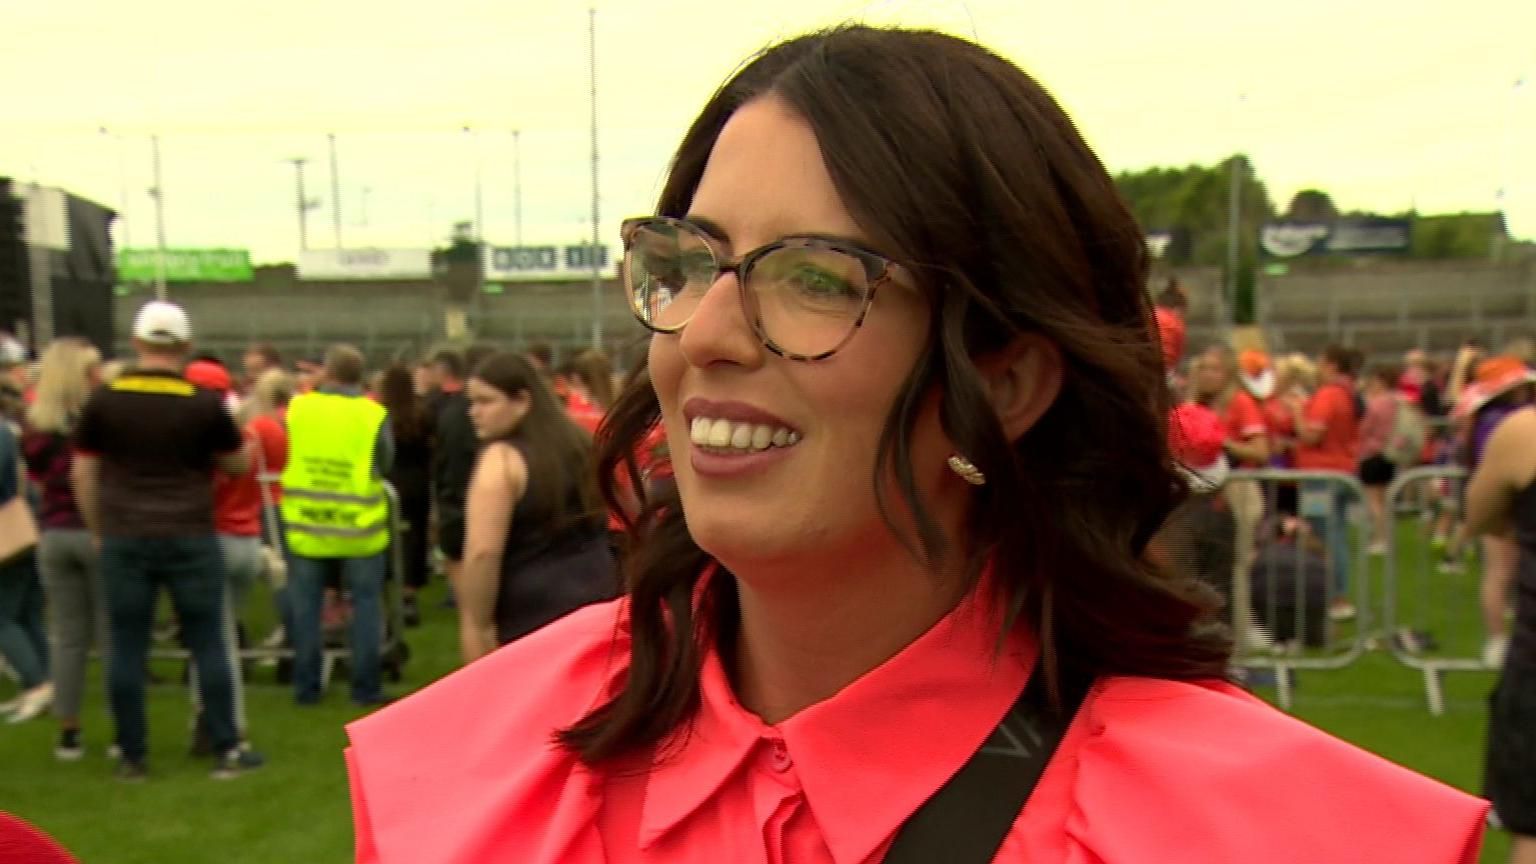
(275, 639)
(236, 762)
(1494, 650)
(1449, 566)
(1341, 610)
(1377, 550)
(33, 703)
(69, 748)
(410, 611)
(114, 753)
(12, 703)
(128, 771)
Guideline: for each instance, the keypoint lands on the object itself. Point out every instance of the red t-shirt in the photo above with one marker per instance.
(237, 500)
(1243, 419)
(1332, 408)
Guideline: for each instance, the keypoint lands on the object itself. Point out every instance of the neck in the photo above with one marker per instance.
(159, 362)
(808, 632)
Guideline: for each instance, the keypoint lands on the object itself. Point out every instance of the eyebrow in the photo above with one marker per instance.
(713, 229)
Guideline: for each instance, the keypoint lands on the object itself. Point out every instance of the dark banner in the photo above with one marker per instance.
(1343, 237)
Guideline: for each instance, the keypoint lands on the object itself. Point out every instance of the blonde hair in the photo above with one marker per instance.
(63, 385)
(272, 390)
(1298, 369)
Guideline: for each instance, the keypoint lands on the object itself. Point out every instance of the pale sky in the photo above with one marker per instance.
(1386, 104)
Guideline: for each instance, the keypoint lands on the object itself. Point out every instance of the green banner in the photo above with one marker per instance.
(185, 265)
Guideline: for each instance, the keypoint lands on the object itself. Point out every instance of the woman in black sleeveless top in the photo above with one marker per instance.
(536, 547)
(1501, 499)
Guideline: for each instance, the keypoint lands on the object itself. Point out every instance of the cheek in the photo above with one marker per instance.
(665, 362)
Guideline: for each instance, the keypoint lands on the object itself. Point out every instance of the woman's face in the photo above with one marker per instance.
(809, 492)
(1212, 375)
(493, 413)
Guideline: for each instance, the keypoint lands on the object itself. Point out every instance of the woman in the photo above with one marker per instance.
(1376, 469)
(1502, 387)
(535, 548)
(1501, 502)
(77, 610)
(916, 411)
(411, 475)
(1217, 386)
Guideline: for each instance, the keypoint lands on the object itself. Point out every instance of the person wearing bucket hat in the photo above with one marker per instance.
(1257, 375)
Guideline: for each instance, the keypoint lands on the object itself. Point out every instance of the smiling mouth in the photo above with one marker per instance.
(728, 438)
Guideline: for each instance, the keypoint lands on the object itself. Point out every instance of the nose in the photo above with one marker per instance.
(719, 331)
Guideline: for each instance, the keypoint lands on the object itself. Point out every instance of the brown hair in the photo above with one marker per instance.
(961, 167)
(397, 393)
(344, 365)
(592, 369)
(267, 352)
(561, 493)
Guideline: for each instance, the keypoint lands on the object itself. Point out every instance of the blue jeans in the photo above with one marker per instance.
(364, 578)
(23, 641)
(1325, 506)
(133, 569)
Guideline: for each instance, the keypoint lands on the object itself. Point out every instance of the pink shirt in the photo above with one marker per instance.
(1150, 771)
(1376, 425)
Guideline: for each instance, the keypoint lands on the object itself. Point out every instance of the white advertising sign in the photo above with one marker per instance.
(337, 264)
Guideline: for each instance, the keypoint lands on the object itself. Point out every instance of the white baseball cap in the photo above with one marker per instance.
(162, 323)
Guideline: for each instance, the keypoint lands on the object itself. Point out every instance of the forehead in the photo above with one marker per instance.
(766, 178)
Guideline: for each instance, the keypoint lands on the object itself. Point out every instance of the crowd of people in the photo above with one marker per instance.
(176, 472)
(1333, 413)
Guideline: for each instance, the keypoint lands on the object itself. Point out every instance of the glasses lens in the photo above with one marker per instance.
(808, 299)
(667, 269)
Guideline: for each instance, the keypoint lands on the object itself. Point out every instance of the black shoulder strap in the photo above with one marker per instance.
(966, 821)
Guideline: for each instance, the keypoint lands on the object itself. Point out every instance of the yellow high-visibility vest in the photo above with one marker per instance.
(333, 503)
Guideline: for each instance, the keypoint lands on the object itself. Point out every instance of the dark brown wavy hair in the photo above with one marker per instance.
(960, 166)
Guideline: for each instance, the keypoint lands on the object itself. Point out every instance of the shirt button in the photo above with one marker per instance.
(778, 757)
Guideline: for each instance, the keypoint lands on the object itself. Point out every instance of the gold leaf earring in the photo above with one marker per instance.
(966, 470)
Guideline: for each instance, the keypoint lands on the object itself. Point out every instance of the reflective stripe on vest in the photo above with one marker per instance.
(333, 503)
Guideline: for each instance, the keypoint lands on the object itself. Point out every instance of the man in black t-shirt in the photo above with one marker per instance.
(145, 449)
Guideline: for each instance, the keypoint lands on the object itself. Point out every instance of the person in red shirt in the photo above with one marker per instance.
(918, 430)
(1328, 439)
(240, 506)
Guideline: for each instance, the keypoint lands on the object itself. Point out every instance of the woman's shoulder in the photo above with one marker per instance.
(526, 689)
(450, 765)
(1167, 767)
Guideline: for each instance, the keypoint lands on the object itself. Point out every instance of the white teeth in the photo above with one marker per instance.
(720, 433)
(723, 434)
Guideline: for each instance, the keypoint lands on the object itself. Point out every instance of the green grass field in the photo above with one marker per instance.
(295, 809)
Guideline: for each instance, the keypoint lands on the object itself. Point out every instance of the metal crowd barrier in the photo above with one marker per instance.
(393, 649)
(1301, 524)
(1432, 613)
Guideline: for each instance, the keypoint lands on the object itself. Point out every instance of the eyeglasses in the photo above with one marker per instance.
(805, 296)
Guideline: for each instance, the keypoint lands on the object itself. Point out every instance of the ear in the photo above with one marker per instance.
(1022, 381)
